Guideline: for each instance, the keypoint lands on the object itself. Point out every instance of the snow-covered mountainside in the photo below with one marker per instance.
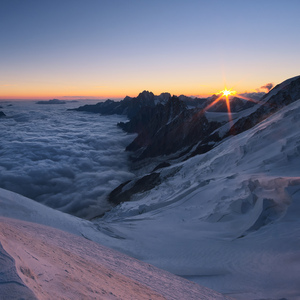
(39, 262)
(227, 219)
(44, 262)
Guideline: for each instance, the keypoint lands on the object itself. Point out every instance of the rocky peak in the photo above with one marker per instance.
(164, 96)
(145, 96)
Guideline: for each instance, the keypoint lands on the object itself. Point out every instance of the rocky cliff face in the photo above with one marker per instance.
(163, 129)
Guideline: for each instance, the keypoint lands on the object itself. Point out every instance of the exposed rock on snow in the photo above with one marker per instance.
(125, 191)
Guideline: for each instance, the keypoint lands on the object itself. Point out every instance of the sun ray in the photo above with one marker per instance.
(248, 99)
(213, 103)
(229, 109)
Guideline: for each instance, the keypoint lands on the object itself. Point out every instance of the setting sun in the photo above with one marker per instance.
(227, 93)
(224, 94)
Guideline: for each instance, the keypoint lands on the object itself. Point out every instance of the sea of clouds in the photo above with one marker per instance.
(67, 160)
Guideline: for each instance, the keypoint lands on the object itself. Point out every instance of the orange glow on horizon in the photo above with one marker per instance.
(92, 91)
(101, 90)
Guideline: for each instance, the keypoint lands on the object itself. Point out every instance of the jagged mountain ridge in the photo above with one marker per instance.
(190, 128)
(128, 106)
(165, 124)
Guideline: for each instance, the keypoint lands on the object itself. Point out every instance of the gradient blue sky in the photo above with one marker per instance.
(114, 48)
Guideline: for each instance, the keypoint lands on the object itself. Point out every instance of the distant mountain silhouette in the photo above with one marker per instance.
(53, 101)
(181, 127)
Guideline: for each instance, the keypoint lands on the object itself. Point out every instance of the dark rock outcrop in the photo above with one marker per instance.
(126, 190)
(161, 166)
(167, 129)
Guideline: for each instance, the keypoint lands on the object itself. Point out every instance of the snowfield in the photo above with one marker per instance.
(227, 219)
(40, 262)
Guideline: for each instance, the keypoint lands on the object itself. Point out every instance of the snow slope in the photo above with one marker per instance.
(53, 264)
(227, 219)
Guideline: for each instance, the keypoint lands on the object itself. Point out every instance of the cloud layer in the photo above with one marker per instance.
(65, 159)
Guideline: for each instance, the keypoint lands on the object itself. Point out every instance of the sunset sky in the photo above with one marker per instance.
(70, 49)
